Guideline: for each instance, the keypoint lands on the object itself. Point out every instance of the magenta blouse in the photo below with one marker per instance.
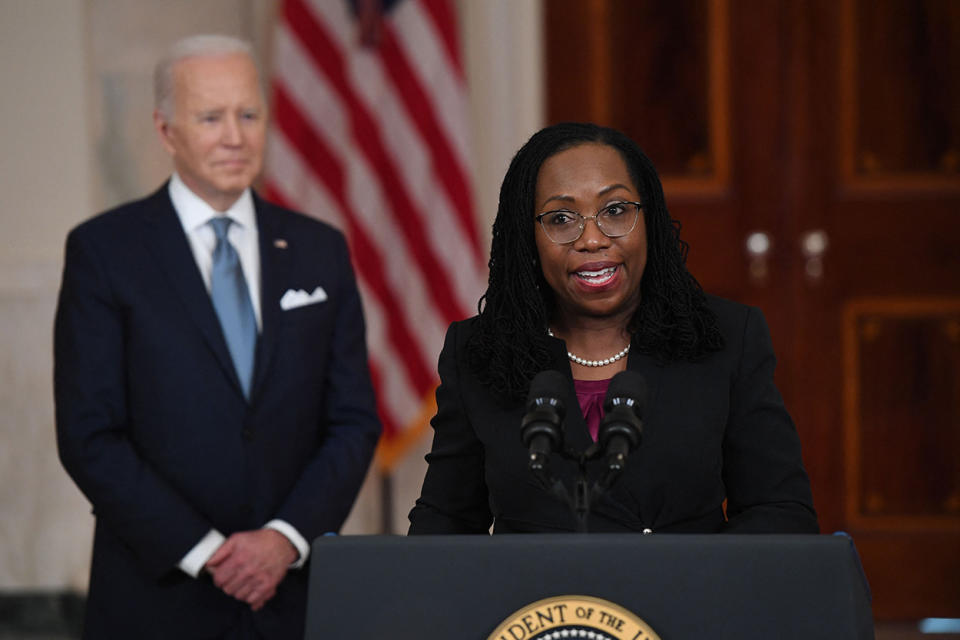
(590, 394)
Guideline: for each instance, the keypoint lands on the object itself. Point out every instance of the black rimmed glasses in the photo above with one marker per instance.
(563, 226)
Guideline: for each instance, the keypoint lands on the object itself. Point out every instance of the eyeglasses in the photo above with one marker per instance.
(563, 226)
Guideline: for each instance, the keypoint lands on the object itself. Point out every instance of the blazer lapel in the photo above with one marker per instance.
(646, 366)
(274, 273)
(624, 501)
(165, 238)
(575, 433)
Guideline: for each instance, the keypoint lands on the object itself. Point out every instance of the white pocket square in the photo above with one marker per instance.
(299, 298)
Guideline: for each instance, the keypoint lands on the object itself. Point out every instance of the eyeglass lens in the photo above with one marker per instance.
(614, 220)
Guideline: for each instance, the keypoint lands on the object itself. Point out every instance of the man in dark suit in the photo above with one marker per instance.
(213, 395)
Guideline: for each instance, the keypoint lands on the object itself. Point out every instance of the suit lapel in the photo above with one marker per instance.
(165, 238)
(274, 274)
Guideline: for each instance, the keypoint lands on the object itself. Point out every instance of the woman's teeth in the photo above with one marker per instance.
(601, 276)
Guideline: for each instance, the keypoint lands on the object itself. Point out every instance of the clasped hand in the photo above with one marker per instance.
(250, 564)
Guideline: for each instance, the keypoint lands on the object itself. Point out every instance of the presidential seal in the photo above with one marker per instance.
(573, 617)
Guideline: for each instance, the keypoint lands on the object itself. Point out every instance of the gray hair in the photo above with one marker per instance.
(204, 45)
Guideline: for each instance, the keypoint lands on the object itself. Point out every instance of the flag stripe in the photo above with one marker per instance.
(446, 238)
(300, 135)
(417, 34)
(442, 15)
(314, 37)
(374, 139)
(319, 104)
(426, 54)
(445, 163)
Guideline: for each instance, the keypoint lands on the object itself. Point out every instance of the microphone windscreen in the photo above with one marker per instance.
(627, 384)
(547, 384)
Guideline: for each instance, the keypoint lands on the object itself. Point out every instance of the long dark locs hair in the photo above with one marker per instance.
(510, 346)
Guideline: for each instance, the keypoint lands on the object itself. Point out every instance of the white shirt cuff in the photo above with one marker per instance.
(192, 563)
(295, 539)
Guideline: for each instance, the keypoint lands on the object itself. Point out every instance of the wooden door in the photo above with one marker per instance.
(827, 133)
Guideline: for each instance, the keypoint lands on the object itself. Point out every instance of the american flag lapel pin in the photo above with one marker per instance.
(280, 243)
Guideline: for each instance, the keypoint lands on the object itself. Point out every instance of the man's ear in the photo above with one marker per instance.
(162, 125)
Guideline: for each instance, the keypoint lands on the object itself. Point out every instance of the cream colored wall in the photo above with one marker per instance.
(45, 182)
(76, 137)
(504, 60)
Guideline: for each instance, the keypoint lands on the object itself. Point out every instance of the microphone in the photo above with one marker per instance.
(541, 430)
(622, 423)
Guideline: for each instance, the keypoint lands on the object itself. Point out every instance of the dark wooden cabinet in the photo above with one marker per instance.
(827, 133)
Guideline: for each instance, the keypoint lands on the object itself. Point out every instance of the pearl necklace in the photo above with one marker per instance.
(593, 363)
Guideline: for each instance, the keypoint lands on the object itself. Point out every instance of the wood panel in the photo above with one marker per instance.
(883, 422)
(902, 398)
(900, 60)
(632, 63)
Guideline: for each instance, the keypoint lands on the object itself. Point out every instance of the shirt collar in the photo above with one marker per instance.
(194, 212)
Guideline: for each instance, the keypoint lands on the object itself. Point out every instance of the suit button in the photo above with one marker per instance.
(247, 433)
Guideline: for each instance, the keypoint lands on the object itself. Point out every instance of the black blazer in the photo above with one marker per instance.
(713, 430)
(154, 428)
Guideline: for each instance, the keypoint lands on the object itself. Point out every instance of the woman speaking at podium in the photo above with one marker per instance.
(588, 278)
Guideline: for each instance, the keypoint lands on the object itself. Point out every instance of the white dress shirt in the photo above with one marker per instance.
(195, 214)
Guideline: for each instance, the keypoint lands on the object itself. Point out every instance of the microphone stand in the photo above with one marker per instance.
(583, 494)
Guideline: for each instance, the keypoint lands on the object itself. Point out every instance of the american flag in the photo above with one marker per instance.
(370, 133)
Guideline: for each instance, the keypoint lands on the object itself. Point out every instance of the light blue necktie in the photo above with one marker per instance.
(231, 299)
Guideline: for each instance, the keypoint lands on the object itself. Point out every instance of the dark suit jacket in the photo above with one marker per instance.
(154, 428)
(712, 430)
